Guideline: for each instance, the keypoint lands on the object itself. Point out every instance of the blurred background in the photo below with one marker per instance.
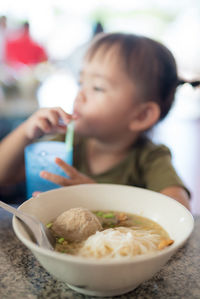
(41, 48)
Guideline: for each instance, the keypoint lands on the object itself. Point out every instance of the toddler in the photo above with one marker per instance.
(127, 84)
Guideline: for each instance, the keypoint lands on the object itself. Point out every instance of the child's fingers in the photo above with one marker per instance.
(54, 114)
(53, 117)
(64, 115)
(36, 193)
(56, 119)
(75, 176)
(59, 129)
(57, 179)
(70, 170)
(44, 125)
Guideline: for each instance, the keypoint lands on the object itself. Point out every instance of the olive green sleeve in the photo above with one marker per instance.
(158, 172)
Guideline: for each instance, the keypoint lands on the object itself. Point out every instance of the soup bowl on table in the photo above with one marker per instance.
(106, 277)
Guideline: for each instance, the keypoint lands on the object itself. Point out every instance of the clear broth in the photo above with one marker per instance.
(113, 219)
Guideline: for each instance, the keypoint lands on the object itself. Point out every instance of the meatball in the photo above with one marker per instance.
(76, 224)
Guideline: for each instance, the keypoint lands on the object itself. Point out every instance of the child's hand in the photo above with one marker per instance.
(46, 121)
(75, 177)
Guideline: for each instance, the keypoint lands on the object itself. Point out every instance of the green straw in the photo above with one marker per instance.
(69, 137)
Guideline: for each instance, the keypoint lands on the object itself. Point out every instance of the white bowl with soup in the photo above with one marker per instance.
(121, 272)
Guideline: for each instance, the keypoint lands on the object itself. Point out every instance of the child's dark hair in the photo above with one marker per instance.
(150, 64)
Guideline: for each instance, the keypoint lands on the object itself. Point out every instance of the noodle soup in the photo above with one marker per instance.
(123, 235)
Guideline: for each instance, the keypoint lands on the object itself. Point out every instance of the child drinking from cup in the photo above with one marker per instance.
(127, 84)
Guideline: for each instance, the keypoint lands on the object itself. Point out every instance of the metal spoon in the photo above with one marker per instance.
(41, 234)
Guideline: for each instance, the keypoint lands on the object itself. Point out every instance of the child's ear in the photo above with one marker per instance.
(145, 117)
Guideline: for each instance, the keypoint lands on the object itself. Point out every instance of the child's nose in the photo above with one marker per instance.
(81, 96)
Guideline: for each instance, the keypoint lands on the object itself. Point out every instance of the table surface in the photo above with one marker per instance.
(21, 276)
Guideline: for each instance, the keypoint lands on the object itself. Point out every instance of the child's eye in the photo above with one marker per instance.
(99, 89)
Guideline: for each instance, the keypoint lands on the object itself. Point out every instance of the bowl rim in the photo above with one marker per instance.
(104, 261)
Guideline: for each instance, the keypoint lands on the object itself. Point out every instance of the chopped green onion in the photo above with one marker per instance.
(110, 224)
(49, 225)
(109, 215)
(99, 213)
(61, 240)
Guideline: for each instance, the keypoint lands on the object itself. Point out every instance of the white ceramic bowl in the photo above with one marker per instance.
(114, 277)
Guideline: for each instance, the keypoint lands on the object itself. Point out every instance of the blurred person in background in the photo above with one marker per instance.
(23, 50)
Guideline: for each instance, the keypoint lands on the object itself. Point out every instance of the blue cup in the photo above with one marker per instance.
(41, 156)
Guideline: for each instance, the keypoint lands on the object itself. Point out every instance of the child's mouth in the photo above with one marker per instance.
(76, 115)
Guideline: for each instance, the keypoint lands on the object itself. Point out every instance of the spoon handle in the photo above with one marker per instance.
(28, 219)
(10, 209)
(42, 235)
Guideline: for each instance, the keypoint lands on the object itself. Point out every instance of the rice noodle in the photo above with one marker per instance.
(120, 242)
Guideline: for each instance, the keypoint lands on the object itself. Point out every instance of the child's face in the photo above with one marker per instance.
(105, 103)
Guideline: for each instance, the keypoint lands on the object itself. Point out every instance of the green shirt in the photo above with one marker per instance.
(147, 165)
